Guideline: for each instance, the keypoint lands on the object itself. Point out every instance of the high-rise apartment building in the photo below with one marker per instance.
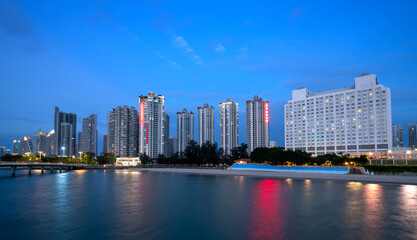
(50, 144)
(412, 135)
(229, 123)
(172, 146)
(26, 146)
(205, 124)
(351, 119)
(152, 139)
(257, 123)
(185, 129)
(105, 143)
(397, 136)
(80, 143)
(133, 133)
(4, 151)
(122, 132)
(89, 135)
(111, 130)
(65, 127)
(166, 134)
(15, 147)
(39, 143)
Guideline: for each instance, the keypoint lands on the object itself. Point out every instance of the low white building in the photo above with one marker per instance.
(128, 161)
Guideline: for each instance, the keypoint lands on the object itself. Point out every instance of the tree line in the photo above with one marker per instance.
(194, 154)
(280, 156)
(86, 158)
(208, 154)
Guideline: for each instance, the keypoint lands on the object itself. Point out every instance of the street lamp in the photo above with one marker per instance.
(63, 151)
(80, 154)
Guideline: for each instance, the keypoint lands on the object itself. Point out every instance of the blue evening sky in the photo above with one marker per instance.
(90, 56)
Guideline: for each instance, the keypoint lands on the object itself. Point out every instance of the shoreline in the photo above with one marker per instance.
(284, 175)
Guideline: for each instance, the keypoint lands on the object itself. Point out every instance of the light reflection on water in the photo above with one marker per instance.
(130, 204)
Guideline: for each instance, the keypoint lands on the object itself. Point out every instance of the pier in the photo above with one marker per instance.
(50, 167)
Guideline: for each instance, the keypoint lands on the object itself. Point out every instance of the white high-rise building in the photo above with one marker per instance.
(397, 136)
(229, 123)
(205, 124)
(152, 140)
(350, 119)
(257, 123)
(185, 129)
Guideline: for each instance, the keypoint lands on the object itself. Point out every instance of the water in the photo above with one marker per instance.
(128, 204)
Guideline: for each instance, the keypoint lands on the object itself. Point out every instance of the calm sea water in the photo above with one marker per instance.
(129, 204)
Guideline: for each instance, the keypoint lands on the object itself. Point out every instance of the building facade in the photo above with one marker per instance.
(122, 132)
(50, 144)
(229, 124)
(39, 143)
(205, 124)
(185, 129)
(166, 134)
(15, 147)
(89, 135)
(172, 146)
(25, 146)
(412, 135)
(4, 151)
(105, 143)
(351, 119)
(80, 143)
(397, 136)
(152, 139)
(257, 123)
(65, 126)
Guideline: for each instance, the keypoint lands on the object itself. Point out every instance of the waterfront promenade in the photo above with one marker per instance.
(317, 176)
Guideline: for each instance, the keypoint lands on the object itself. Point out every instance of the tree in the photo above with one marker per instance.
(106, 158)
(260, 155)
(145, 159)
(175, 158)
(192, 153)
(11, 158)
(88, 157)
(209, 154)
(161, 159)
(243, 150)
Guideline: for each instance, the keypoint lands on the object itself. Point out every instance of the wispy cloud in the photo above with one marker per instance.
(102, 16)
(173, 64)
(219, 48)
(180, 43)
(242, 52)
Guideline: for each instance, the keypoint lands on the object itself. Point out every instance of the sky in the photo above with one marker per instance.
(88, 57)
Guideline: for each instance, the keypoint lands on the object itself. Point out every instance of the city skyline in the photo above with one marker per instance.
(266, 53)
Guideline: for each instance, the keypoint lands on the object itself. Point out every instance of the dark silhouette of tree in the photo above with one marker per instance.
(192, 153)
(106, 158)
(145, 159)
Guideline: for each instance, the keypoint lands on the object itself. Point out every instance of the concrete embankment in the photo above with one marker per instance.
(284, 175)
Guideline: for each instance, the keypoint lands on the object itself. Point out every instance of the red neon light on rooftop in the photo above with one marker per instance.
(142, 114)
(266, 112)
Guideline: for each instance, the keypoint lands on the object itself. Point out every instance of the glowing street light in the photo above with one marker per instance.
(63, 151)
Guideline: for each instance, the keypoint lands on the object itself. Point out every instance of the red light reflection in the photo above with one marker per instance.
(268, 217)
